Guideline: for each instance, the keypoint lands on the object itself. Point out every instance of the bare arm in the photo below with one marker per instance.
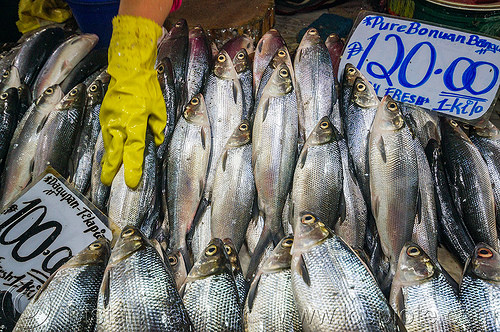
(156, 10)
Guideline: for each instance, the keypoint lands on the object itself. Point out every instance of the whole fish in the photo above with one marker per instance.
(470, 183)
(317, 181)
(99, 192)
(266, 48)
(487, 141)
(242, 284)
(224, 100)
(130, 206)
(393, 180)
(234, 188)
(358, 119)
(176, 47)
(210, 293)
(85, 143)
(9, 102)
(21, 155)
(165, 76)
(274, 147)
(421, 295)
(453, 232)
(234, 45)
(270, 305)
(333, 289)
(243, 68)
(335, 46)
(59, 132)
(188, 158)
(67, 300)
(62, 61)
(316, 93)
(138, 292)
(480, 289)
(199, 61)
(178, 267)
(35, 49)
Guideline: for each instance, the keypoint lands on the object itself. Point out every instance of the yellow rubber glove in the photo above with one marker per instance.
(33, 13)
(134, 98)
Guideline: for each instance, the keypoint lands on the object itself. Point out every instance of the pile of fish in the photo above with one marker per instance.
(332, 201)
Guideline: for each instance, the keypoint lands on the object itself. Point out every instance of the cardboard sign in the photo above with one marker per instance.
(48, 224)
(452, 72)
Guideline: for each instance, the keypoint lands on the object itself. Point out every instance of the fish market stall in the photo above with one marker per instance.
(332, 170)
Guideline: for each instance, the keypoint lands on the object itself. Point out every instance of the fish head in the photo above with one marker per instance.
(323, 133)
(232, 255)
(309, 232)
(176, 262)
(332, 39)
(196, 111)
(388, 117)
(241, 61)
(165, 72)
(8, 98)
(311, 38)
(454, 128)
(281, 56)
(269, 42)
(484, 263)
(196, 32)
(179, 29)
(223, 67)
(130, 241)
(242, 135)
(74, 98)
(211, 262)
(414, 264)
(95, 92)
(10, 77)
(363, 93)
(52, 95)
(350, 75)
(89, 38)
(281, 257)
(96, 253)
(280, 82)
(489, 131)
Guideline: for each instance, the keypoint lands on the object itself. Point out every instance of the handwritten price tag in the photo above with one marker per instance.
(447, 71)
(40, 231)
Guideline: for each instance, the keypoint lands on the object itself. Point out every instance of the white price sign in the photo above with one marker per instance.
(40, 231)
(444, 70)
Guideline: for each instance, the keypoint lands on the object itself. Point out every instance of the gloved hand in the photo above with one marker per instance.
(34, 13)
(134, 99)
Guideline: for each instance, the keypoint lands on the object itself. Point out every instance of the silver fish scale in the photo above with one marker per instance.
(317, 185)
(343, 295)
(481, 302)
(67, 304)
(432, 305)
(274, 306)
(246, 81)
(242, 287)
(99, 192)
(212, 304)
(142, 297)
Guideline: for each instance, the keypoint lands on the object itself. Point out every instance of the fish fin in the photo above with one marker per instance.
(381, 148)
(159, 249)
(342, 208)
(224, 160)
(186, 256)
(266, 108)
(304, 273)
(44, 286)
(203, 138)
(265, 240)
(235, 92)
(182, 290)
(375, 206)
(252, 292)
(42, 123)
(303, 156)
(106, 286)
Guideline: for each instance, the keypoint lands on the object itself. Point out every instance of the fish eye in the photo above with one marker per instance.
(243, 127)
(392, 107)
(361, 87)
(324, 125)
(313, 32)
(228, 249)
(178, 24)
(6, 73)
(221, 58)
(413, 251)
(284, 73)
(129, 232)
(73, 92)
(172, 260)
(240, 56)
(93, 88)
(95, 246)
(332, 35)
(453, 123)
(49, 91)
(195, 101)
(4, 96)
(484, 253)
(351, 71)
(160, 69)
(308, 219)
(211, 250)
(287, 243)
(281, 53)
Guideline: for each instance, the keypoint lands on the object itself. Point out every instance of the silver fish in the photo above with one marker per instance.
(165, 75)
(199, 62)
(266, 48)
(99, 193)
(9, 102)
(243, 67)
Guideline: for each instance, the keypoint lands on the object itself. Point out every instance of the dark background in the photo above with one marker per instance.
(8, 28)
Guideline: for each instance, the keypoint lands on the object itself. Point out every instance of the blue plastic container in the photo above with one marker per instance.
(95, 16)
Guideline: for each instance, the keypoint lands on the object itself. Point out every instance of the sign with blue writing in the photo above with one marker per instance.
(40, 231)
(447, 71)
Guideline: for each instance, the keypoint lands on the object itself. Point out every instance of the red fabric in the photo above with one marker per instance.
(176, 5)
